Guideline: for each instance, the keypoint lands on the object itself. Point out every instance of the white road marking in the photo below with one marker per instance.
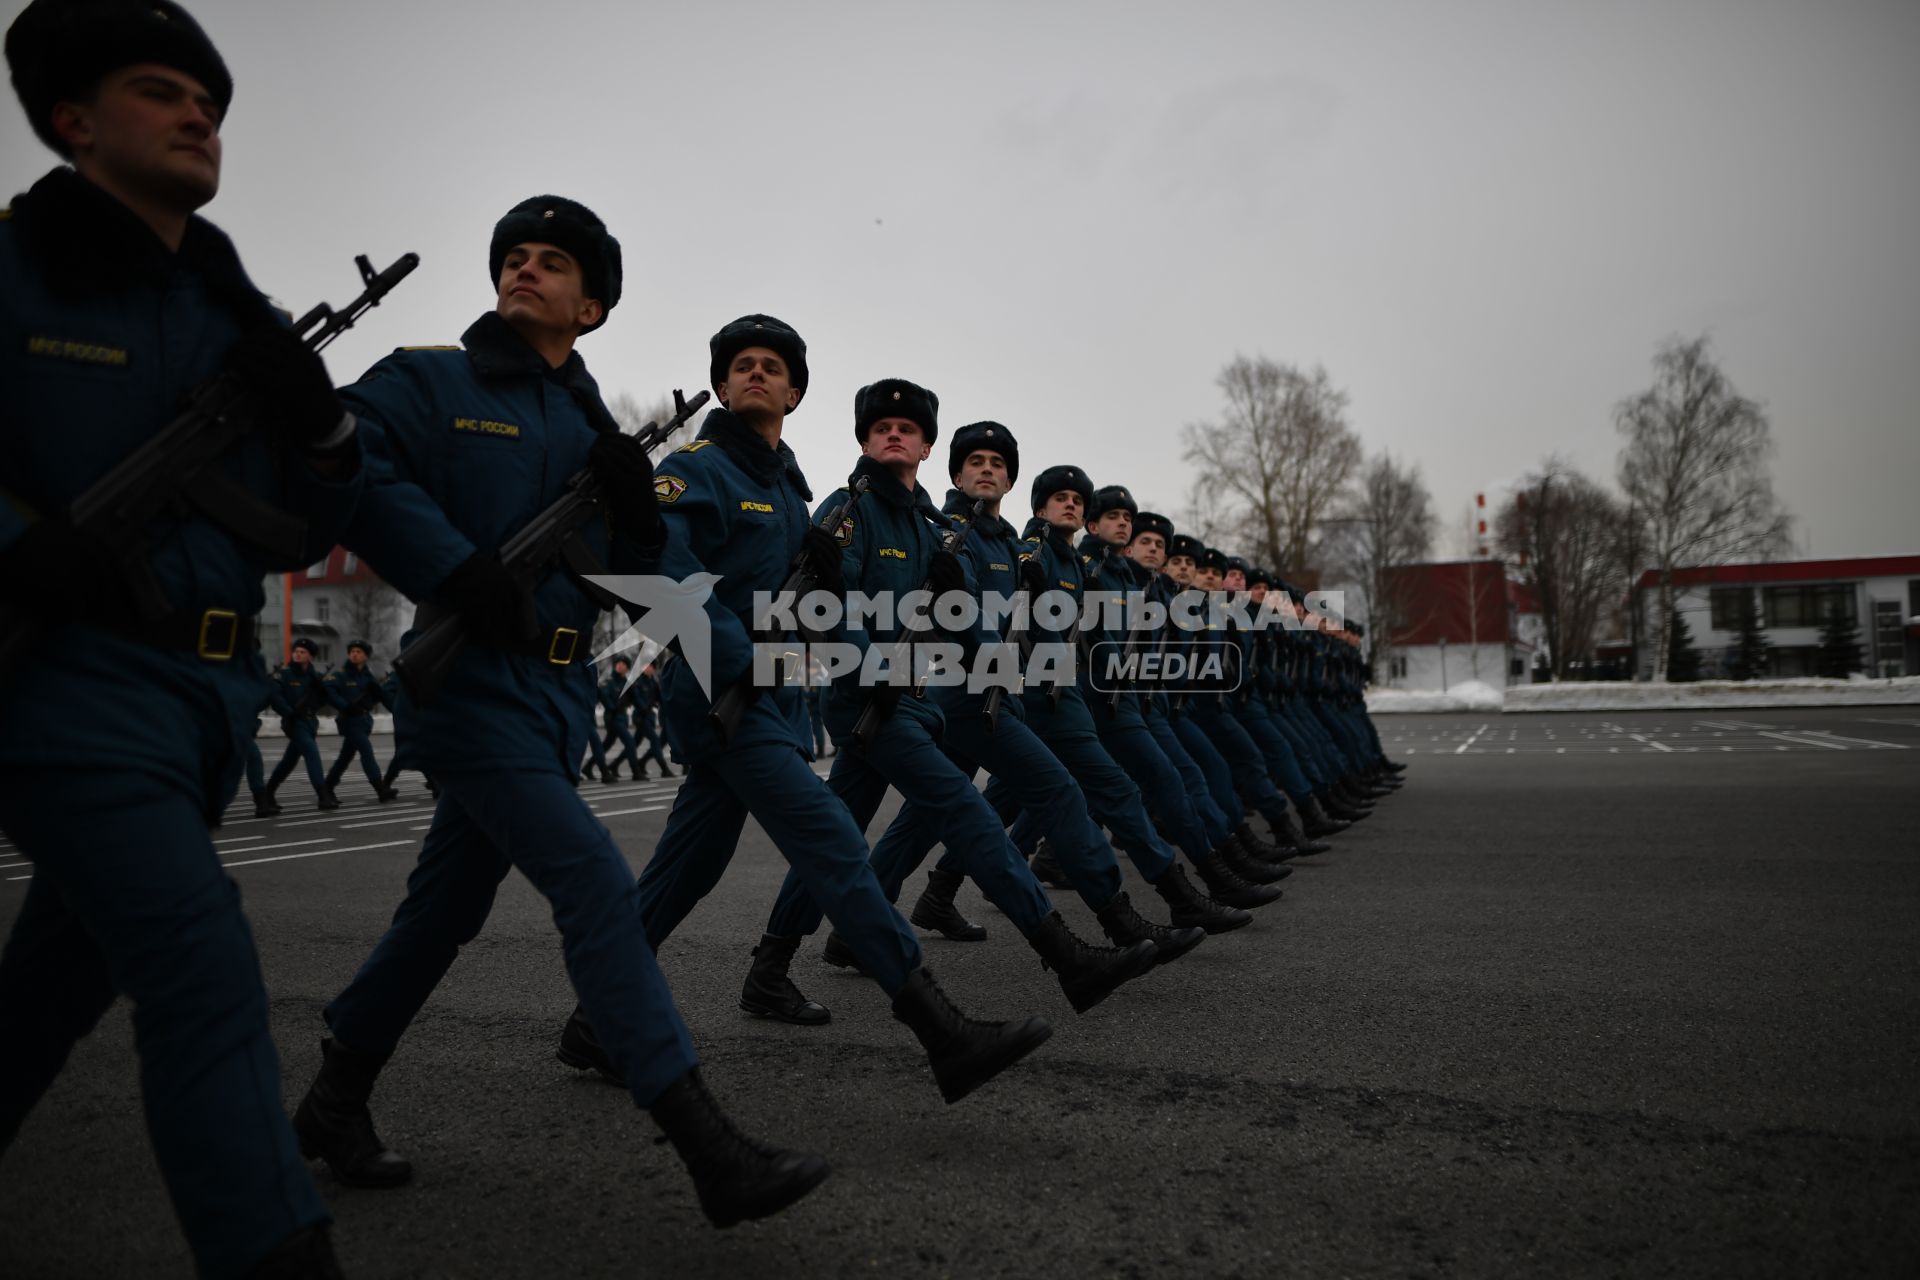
(621, 813)
(1841, 737)
(1804, 742)
(1643, 738)
(290, 844)
(320, 853)
(1462, 750)
(238, 839)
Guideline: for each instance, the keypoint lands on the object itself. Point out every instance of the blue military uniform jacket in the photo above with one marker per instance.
(298, 694)
(735, 509)
(464, 447)
(103, 333)
(990, 554)
(1107, 569)
(355, 693)
(1060, 563)
(611, 701)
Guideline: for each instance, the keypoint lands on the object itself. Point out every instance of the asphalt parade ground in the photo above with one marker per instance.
(1595, 994)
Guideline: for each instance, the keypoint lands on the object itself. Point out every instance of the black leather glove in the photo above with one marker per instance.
(1033, 577)
(495, 605)
(625, 473)
(822, 550)
(945, 574)
(290, 385)
(57, 571)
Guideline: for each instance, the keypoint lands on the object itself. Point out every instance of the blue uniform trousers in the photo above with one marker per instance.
(808, 824)
(1345, 733)
(357, 733)
(1112, 798)
(595, 751)
(650, 731)
(1213, 820)
(1243, 757)
(129, 898)
(903, 755)
(1211, 764)
(1311, 747)
(1040, 785)
(301, 745)
(1282, 764)
(629, 749)
(256, 767)
(486, 822)
(1161, 787)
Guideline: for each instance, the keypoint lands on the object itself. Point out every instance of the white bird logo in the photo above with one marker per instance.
(667, 609)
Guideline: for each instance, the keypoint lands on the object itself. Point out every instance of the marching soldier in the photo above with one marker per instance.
(614, 699)
(116, 302)
(646, 719)
(298, 696)
(354, 694)
(465, 444)
(734, 504)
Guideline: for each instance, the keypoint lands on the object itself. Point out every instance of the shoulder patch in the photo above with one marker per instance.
(693, 446)
(668, 488)
(450, 346)
(844, 534)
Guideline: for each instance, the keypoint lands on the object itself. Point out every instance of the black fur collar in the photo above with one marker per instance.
(496, 350)
(994, 526)
(748, 448)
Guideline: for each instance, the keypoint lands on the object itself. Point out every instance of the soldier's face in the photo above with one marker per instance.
(897, 442)
(541, 288)
(301, 658)
(1148, 550)
(1115, 527)
(150, 132)
(357, 656)
(1180, 569)
(758, 382)
(1257, 592)
(983, 475)
(1235, 580)
(1064, 510)
(1206, 579)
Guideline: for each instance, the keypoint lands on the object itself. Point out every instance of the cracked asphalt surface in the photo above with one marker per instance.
(1595, 1013)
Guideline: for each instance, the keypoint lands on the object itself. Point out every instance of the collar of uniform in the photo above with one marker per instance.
(496, 350)
(995, 526)
(886, 486)
(748, 448)
(100, 245)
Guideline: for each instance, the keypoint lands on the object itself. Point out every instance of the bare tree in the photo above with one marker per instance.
(371, 610)
(1387, 522)
(1282, 452)
(1209, 516)
(1695, 470)
(632, 415)
(1564, 532)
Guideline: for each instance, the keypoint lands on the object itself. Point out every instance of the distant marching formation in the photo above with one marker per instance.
(170, 438)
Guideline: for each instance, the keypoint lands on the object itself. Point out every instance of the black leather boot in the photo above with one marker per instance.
(386, 793)
(1224, 884)
(335, 1125)
(272, 805)
(964, 1053)
(307, 1254)
(1393, 765)
(1256, 848)
(936, 910)
(263, 805)
(769, 989)
(737, 1178)
(839, 954)
(1125, 926)
(1318, 824)
(1045, 869)
(1296, 843)
(1088, 974)
(580, 1048)
(326, 799)
(1249, 868)
(1331, 804)
(1194, 908)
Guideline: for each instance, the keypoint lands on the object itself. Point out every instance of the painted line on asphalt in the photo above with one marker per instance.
(1643, 738)
(621, 813)
(321, 853)
(1841, 737)
(1804, 742)
(1462, 750)
(238, 839)
(290, 844)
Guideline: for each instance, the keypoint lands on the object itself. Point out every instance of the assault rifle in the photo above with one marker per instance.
(802, 577)
(548, 538)
(173, 468)
(884, 699)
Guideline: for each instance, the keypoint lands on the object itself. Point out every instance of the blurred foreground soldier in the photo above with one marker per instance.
(735, 505)
(464, 447)
(116, 301)
(298, 695)
(354, 694)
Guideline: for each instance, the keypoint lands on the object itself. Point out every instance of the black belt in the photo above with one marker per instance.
(560, 646)
(217, 635)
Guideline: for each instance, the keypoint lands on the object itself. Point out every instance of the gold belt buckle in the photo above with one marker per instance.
(209, 651)
(554, 655)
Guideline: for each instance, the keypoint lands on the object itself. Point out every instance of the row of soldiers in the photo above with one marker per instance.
(299, 695)
(119, 303)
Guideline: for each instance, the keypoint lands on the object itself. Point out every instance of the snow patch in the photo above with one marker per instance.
(1472, 695)
(1703, 695)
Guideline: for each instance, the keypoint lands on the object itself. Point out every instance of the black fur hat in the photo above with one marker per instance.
(304, 643)
(1057, 479)
(1211, 558)
(984, 435)
(1258, 577)
(895, 398)
(361, 645)
(1111, 497)
(758, 331)
(1153, 522)
(1185, 544)
(57, 51)
(1233, 563)
(569, 225)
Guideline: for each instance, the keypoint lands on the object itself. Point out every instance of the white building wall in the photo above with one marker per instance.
(1695, 604)
(1432, 667)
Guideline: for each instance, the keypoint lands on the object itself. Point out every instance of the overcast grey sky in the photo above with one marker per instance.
(1480, 217)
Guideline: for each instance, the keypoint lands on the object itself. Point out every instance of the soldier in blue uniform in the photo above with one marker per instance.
(734, 502)
(890, 549)
(264, 805)
(614, 698)
(116, 302)
(354, 693)
(464, 447)
(646, 720)
(404, 756)
(298, 696)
